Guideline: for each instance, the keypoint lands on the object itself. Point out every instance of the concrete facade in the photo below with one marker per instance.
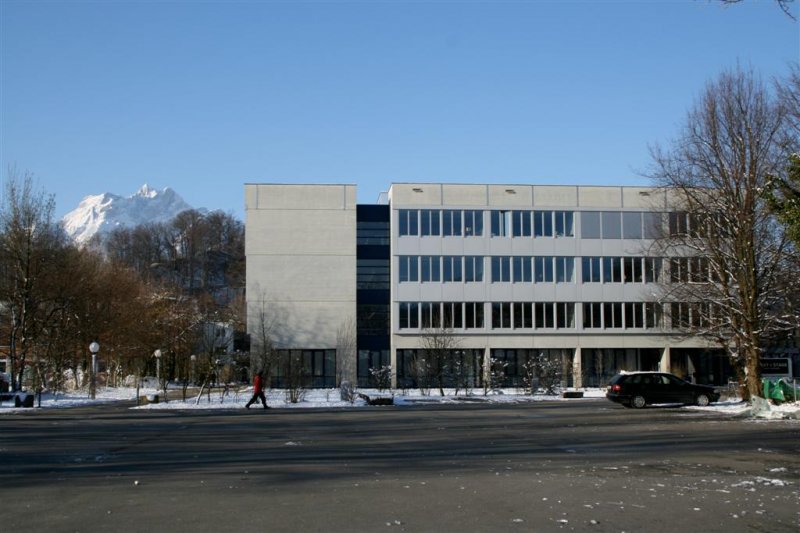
(629, 347)
(301, 260)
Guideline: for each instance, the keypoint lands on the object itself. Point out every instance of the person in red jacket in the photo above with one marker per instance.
(258, 391)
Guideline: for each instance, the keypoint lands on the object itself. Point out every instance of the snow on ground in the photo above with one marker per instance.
(330, 398)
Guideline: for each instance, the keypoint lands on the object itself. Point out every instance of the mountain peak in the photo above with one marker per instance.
(145, 192)
(102, 213)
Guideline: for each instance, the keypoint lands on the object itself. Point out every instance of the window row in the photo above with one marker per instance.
(542, 223)
(449, 315)
(519, 223)
(448, 222)
(434, 268)
(621, 224)
(618, 315)
(549, 315)
(621, 269)
(537, 269)
(527, 269)
(689, 270)
(469, 223)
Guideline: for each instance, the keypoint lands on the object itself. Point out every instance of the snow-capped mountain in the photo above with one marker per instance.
(101, 213)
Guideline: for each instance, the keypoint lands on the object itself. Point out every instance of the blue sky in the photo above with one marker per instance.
(206, 96)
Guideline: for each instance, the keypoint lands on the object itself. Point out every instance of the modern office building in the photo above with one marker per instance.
(507, 272)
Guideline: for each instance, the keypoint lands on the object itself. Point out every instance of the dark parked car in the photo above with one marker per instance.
(637, 389)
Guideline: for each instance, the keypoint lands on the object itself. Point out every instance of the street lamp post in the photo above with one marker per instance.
(194, 360)
(157, 355)
(94, 348)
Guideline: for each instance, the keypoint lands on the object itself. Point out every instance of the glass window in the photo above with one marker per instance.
(431, 315)
(543, 223)
(522, 269)
(501, 269)
(409, 269)
(543, 312)
(473, 268)
(679, 313)
(372, 319)
(698, 224)
(653, 225)
(409, 315)
(453, 316)
(522, 223)
(451, 222)
(473, 223)
(429, 222)
(474, 315)
(590, 224)
(591, 269)
(565, 315)
(430, 268)
(634, 315)
(652, 269)
(564, 224)
(678, 223)
(652, 314)
(523, 315)
(592, 316)
(373, 274)
(632, 225)
(409, 222)
(501, 223)
(501, 315)
(452, 268)
(565, 268)
(543, 269)
(698, 268)
(679, 270)
(612, 314)
(612, 270)
(633, 269)
(611, 225)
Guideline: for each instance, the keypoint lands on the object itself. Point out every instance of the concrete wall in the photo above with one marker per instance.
(300, 244)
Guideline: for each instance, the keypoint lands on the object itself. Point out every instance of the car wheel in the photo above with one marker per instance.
(702, 400)
(638, 402)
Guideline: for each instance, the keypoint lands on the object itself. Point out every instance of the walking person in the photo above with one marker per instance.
(258, 391)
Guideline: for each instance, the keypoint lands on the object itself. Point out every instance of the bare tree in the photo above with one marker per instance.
(29, 238)
(495, 375)
(265, 325)
(548, 369)
(346, 351)
(784, 6)
(439, 346)
(296, 374)
(727, 254)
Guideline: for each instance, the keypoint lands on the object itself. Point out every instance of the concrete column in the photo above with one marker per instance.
(393, 362)
(487, 365)
(665, 364)
(566, 362)
(577, 369)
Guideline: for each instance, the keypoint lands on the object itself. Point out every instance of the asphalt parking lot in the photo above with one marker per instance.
(544, 466)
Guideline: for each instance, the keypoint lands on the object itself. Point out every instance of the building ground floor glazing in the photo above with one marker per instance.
(465, 367)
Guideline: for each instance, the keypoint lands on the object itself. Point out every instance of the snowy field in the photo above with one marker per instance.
(330, 398)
